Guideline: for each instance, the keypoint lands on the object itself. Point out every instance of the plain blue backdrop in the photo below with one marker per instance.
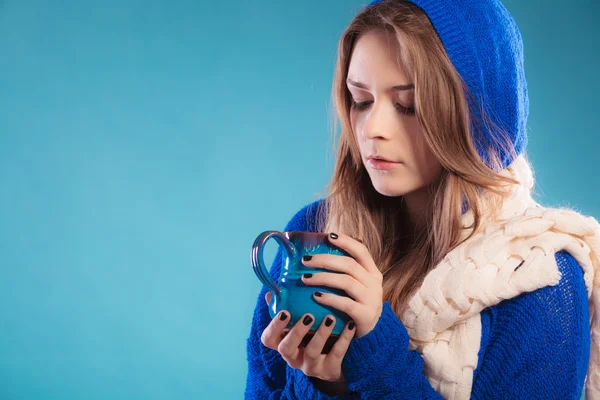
(145, 144)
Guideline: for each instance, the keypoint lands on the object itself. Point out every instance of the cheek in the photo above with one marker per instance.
(426, 163)
(355, 125)
(357, 128)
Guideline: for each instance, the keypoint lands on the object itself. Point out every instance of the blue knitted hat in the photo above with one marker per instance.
(486, 48)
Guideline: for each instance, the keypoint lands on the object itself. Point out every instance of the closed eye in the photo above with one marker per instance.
(365, 104)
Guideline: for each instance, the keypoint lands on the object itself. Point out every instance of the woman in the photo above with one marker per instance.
(461, 285)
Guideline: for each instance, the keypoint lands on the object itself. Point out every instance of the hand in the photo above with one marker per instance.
(309, 359)
(360, 278)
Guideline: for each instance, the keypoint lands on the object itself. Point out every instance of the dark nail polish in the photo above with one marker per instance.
(282, 316)
(351, 325)
(307, 320)
(307, 258)
(333, 235)
(307, 276)
(318, 294)
(328, 322)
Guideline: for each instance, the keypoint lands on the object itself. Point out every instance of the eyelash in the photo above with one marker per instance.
(363, 105)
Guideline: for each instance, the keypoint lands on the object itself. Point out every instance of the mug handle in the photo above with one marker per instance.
(257, 256)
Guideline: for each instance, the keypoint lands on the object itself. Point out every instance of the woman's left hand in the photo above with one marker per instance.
(360, 278)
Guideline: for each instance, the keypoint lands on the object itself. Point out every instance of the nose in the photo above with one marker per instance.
(379, 121)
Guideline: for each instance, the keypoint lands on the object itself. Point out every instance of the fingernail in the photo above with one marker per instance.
(333, 235)
(328, 322)
(282, 316)
(351, 325)
(318, 294)
(307, 258)
(307, 276)
(307, 320)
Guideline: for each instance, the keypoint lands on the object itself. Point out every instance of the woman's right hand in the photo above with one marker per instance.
(310, 358)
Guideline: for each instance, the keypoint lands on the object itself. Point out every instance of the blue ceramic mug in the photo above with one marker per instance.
(289, 292)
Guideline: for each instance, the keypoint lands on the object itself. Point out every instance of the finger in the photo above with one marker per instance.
(356, 249)
(268, 296)
(273, 333)
(339, 349)
(289, 346)
(313, 352)
(341, 303)
(338, 281)
(343, 264)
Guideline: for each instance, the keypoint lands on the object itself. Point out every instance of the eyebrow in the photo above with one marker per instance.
(360, 85)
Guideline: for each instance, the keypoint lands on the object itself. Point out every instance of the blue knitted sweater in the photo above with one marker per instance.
(534, 346)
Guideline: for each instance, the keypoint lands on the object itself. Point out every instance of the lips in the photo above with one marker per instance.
(381, 164)
(380, 158)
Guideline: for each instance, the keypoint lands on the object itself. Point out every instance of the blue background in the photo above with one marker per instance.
(145, 144)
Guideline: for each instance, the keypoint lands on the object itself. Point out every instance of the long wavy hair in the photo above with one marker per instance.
(353, 206)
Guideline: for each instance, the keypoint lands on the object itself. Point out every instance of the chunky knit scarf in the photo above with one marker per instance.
(510, 254)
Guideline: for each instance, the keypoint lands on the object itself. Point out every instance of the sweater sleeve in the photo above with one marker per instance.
(538, 348)
(539, 342)
(380, 365)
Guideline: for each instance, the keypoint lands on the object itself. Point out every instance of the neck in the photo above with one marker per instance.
(416, 205)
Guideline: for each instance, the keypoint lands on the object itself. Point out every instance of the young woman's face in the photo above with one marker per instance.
(383, 118)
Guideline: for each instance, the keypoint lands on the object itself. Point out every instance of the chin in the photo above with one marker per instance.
(391, 190)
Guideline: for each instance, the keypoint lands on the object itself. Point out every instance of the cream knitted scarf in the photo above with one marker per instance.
(443, 317)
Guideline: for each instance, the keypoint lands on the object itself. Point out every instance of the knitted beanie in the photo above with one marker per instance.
(485, 46)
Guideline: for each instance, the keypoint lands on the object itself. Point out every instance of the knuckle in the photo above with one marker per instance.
(364, 252)
(294, 335)
(284, 348)
(350, 308)
(311, 354)
(348, 283)
(355, 267)
(348, 264)
(353, 285)
(265, 339)
(337, 352)
(310, 371)
(347, 280)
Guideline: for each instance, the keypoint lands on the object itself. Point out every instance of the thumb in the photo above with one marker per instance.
(268, 296)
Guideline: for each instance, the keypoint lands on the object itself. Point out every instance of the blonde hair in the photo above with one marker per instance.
(353, 207)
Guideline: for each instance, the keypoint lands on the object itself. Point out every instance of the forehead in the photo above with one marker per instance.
(377, 57)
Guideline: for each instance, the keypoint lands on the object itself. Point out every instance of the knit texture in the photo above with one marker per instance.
(534, 345)
(485, 46)
(512, 253)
